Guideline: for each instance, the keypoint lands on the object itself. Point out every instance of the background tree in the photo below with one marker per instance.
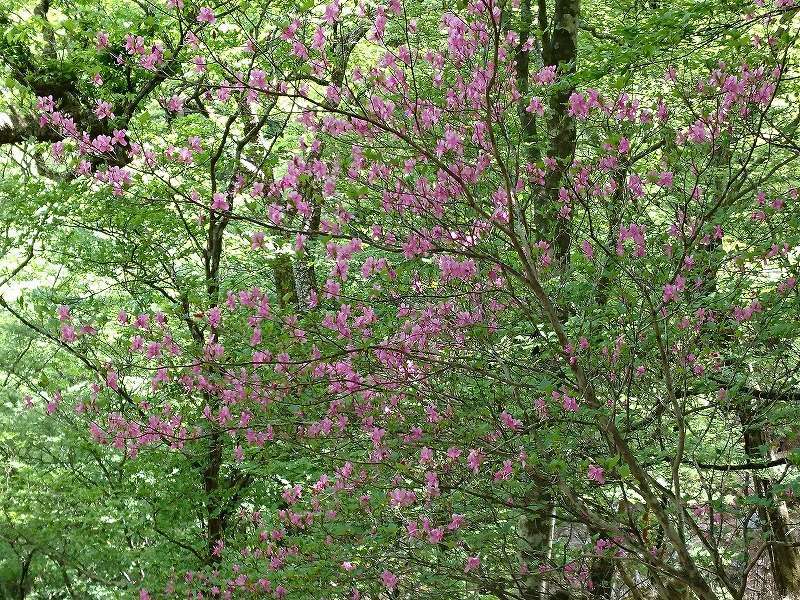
(378, 300)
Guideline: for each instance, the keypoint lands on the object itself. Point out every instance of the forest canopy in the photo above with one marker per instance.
(393, 299)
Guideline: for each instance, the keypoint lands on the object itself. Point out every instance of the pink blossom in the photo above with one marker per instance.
(219, 202)
(474, 459)
(206, 15)
(535, 106)
(510, 422)
(596, 474)
(545, 75)
(665, 179)
(389, 580)
(425, 455)
(214, 316)
(68, 334)
(112, 379)
(504, 473)
(587, 249)
(436, 535)
(174, 104)
(578, 106)
(473, 562)
(103, 110)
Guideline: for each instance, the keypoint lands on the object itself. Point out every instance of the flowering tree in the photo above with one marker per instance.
(481, 332)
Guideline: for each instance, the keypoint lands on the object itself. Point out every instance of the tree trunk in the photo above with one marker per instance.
(677, 591)
(211, 473)
(774, 517)
(559, 49)
(601, 574)
(535, 534)
(527, 119)
(305, 276)
(211, 484)
(285, 285)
